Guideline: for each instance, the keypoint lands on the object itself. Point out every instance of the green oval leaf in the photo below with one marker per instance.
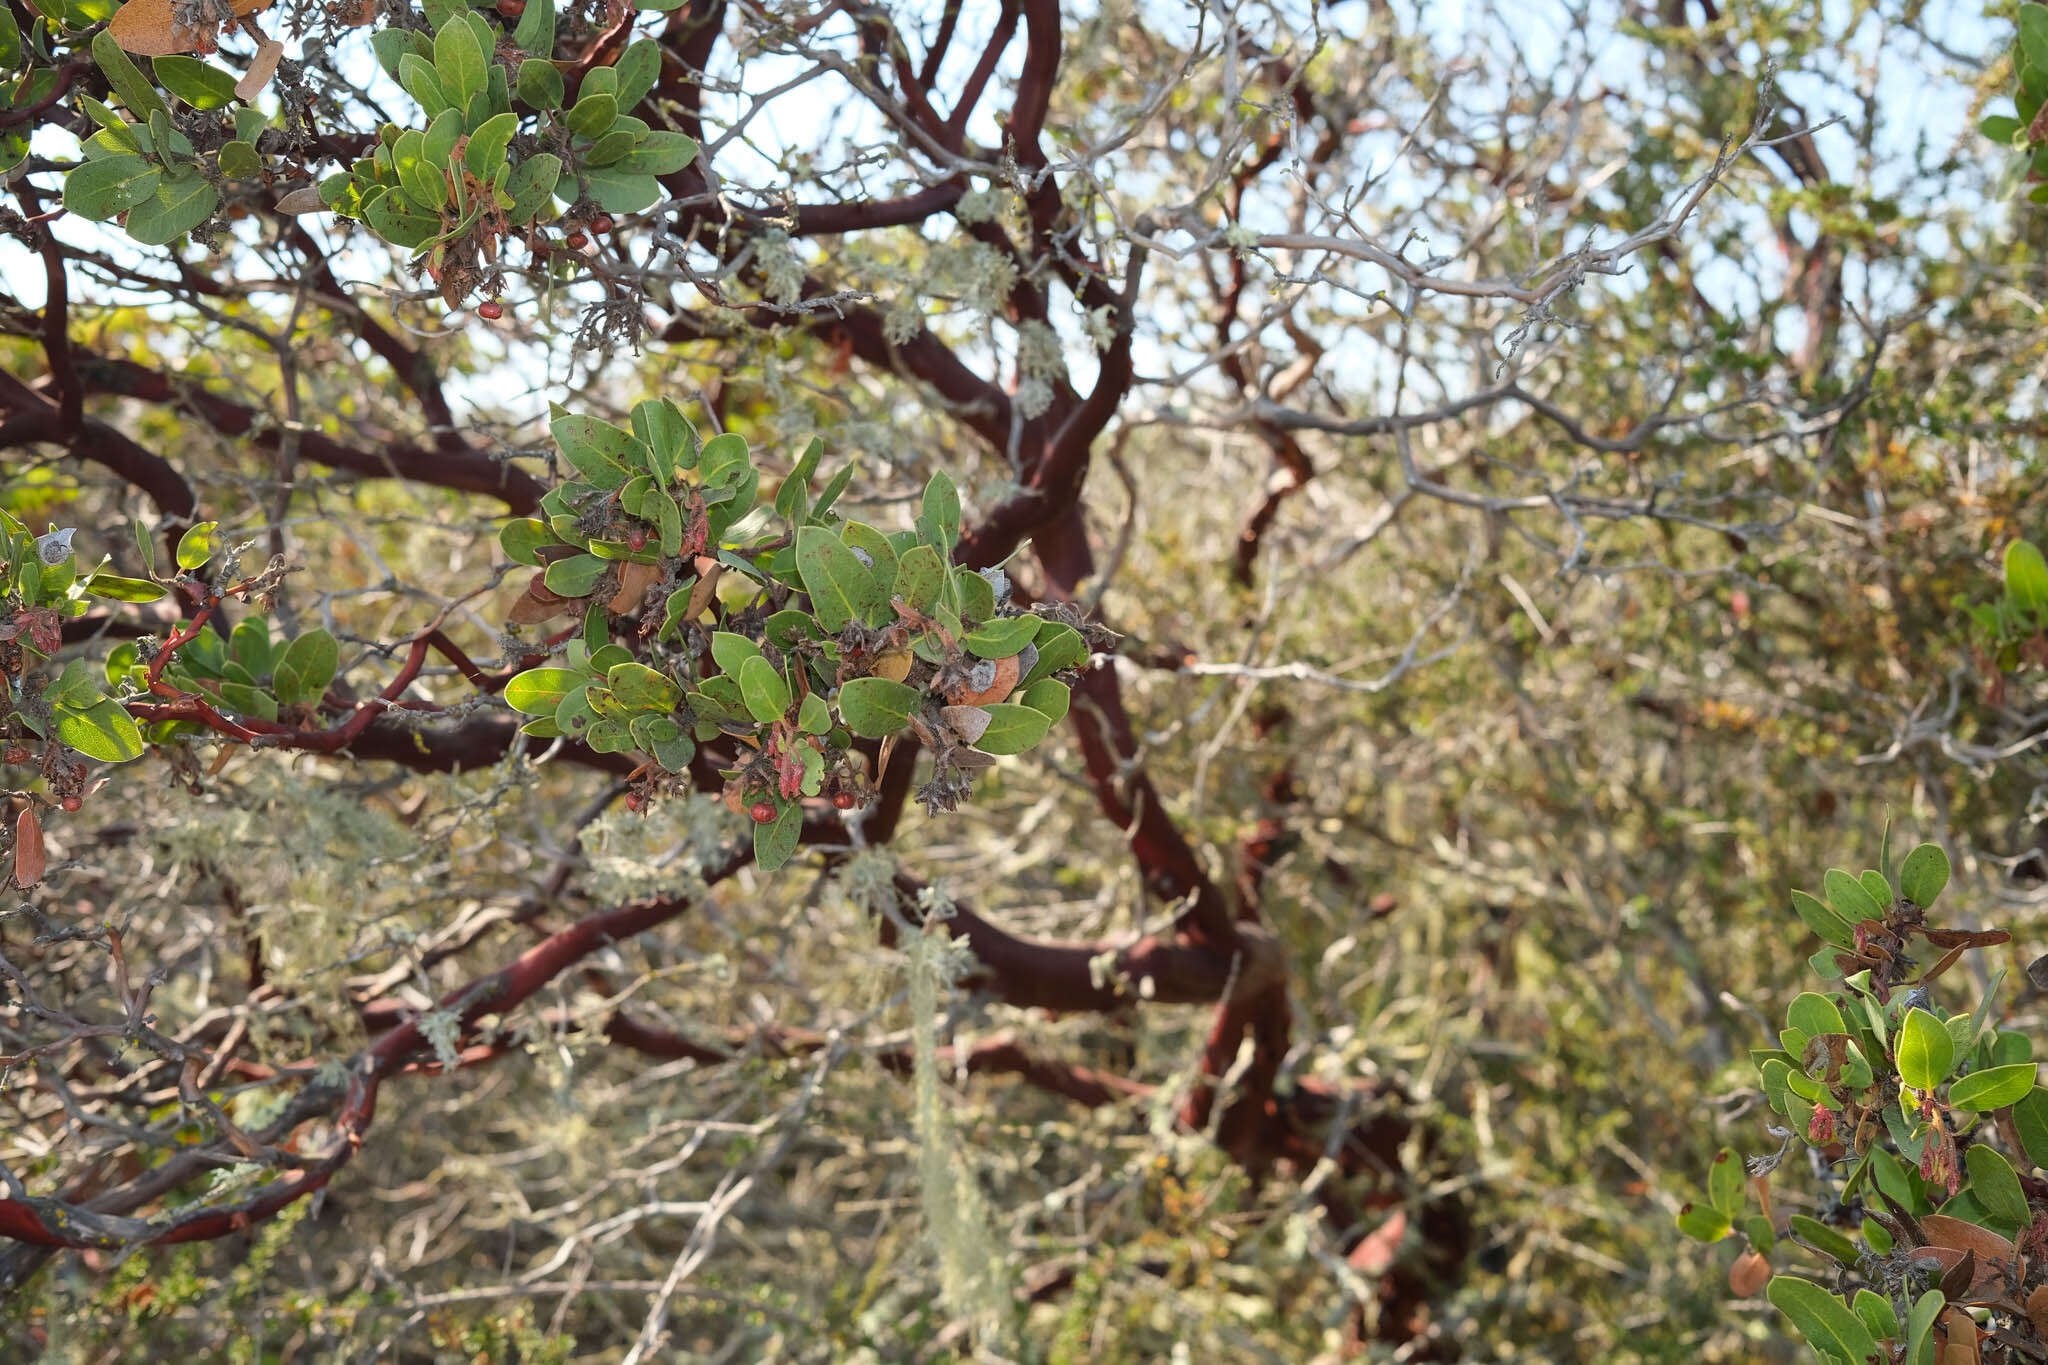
(1820, 918)
(1997, 1185)
(776, 840)
(919, 575)
(1850, 897)
(102, 731)
(1002, 638)
(1703, 1222)
(1923, 875)
(1725, 1179)
(115, 588)
(763, 689)
(539, 691)
(198, 83)
(180, 204)
(876, 707)
(840, 586)
(199, 544)
(1925, 1052)
(105, 186)
(575, 576)
(522, 538)
(306, 667)
(1012, 729)
(1993, 1088)
(2026, 577)
(1814, 1014)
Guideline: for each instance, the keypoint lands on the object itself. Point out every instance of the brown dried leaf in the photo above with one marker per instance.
(1944, 1231)
(147, 28)
(634, 580)
(968, 722)
(30, 859)
(268, 53)
(1958, 1340)
(1966, 938)
(1750, 1273)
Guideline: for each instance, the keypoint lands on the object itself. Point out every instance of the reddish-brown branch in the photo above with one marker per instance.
(463, 469)
(48, 1223)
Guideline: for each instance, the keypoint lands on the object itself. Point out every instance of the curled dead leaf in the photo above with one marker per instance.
(894, 665)
(968, 722)
(2037, 1310)
(538, 604)
(1750, 1273)
(1957, 1334)
(634, 580)
(991, 681)
(149, 28)
(268, 53)
(30, 859)
(304, 199)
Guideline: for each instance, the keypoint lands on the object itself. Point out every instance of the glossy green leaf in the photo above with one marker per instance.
(522, 539)
(115, 588)
(535, 33)
(622, 191)
(539, 691)
(731, 652)
(1850, 898)
(459, 62)
(875, 707)
(1923, 875)
(763, 689)
(181, 203)
(486, 149)
(575, 576)
(775, 841)
(659, 153)
(1823, 1238)
(1003, 637)
(939, 522)
(1047, 695)
(197, 83)
(841, 588)
(1814, 1014)
(603, 454)
(1060, 646)
(102, 731)
(1725, 1180)
(1993, 1088)
(1703, 1222)
(305, 668)
(593, 114)
(1996, 1185)
(1924, 1051)
(1920, 1327)
(102, 188)
(2026, 578)
(919, 574)
(812, 717)
(199, 544)
(1012, 729)
(1823, 920)
(126, 78)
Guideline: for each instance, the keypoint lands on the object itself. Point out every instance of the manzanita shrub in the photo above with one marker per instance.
(2025, 130)
(698, 614)
(838, 630)
(1928, 1126)
(497, 135)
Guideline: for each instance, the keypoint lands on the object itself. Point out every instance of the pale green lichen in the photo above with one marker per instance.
(661, 853)
(973, 1275)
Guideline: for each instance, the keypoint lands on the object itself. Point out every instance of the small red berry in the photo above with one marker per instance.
(601, 224)
(636, 539)
(577, 241)
(635, 802)
(490, 311)
(511, 9)
(71, 803)
(843, 800)
(762, 812)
